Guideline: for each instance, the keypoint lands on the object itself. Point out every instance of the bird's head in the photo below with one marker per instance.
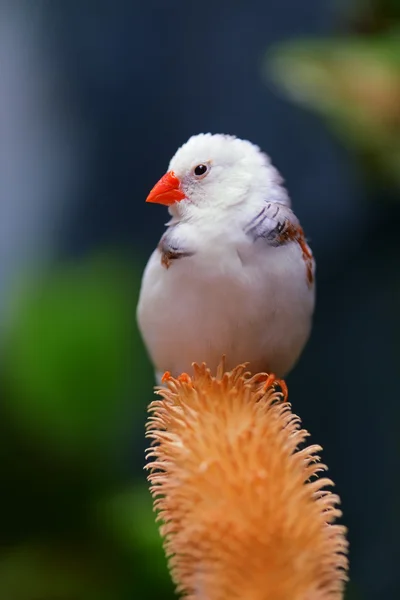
(219, 172)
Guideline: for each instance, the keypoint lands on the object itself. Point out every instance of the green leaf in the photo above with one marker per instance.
(128, 517)
(73, 362)
(354, 84)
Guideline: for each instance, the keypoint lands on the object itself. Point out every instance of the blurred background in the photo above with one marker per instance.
(95, 97)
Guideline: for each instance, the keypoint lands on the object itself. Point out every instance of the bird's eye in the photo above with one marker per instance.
(201, 170)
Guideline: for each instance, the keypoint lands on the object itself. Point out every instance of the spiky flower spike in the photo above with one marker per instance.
(243, 513)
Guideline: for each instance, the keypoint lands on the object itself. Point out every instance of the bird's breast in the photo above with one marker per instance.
(241, 301)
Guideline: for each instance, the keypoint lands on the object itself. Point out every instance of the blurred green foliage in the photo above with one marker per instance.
(353, 82)
(76, 515)
(69, 354)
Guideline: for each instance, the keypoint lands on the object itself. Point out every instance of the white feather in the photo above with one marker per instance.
(235, 296)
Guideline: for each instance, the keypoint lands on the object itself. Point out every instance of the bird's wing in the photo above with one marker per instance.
(278, 225)
(172, 247)
(271, 224)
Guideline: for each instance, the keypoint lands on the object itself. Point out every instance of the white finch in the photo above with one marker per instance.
(232, 275)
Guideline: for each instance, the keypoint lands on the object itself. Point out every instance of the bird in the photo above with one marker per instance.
(233, 274)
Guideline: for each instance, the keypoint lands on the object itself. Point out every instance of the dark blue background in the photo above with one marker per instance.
(136, 80)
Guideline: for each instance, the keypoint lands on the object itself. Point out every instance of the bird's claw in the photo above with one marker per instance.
(270, 380)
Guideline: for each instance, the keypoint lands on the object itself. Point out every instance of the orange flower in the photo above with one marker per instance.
(243, 513)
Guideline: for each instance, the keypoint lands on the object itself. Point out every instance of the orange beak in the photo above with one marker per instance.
(167, 190)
